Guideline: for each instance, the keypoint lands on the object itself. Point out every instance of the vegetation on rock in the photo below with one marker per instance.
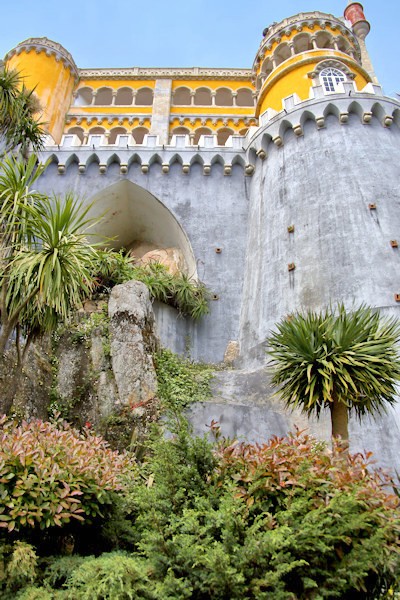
(187, 295)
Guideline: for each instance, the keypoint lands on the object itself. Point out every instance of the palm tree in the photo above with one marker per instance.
(46, 263)
(345, 361)
(19, 125)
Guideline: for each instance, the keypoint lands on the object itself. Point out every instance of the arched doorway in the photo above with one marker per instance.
(132, 215)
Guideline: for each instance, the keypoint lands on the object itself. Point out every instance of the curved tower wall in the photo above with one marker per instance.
(324, 212)
(50, 70)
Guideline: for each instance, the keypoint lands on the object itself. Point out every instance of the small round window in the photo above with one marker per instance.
(330, 79)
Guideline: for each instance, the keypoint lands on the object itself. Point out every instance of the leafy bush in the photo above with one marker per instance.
(113, 576)
(284, 520)
(188, 296)
(181, 381)
(50, 474)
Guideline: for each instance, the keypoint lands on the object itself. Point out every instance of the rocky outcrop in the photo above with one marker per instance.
(98, 371)
(132, 343)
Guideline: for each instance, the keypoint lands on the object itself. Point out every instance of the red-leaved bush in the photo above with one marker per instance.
(50, 473)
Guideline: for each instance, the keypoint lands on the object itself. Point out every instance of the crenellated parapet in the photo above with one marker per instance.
(125, 153)
(50, 48)
(368, 105)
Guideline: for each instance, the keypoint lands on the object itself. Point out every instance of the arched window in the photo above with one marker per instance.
(144, 97)
(223, 97)
(202, 97)
(114, 132)
(103, 97)
(83, 97)
(199, 132)
(244, 97)
(138, 134)
(77, 131)
(330, 79)
(182, 97)
(223, 135)
(124, 97)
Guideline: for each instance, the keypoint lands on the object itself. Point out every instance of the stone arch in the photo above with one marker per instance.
(285, 129)
(396, 116)
(266, 68)
(324, 39)
(282, 53)
(378, 111)
(138, 134)
(72, 160)
(197, 159)
(302, 43)
(307, 117)
(199, 132)
(78, 131)
(132, 214)
(84, 96)
(182, 96)
(92, 159)
(223, 134)
(177, 158)
(238, 160)
(113, 159)
(356, 109)
(244, 97)
(103, 97)
(144, 97)
(96, 131)
(331, 109)
(124, 97)
(180, 131)
(223, 97)
(114, 132)
(135, 158)
(202, 97)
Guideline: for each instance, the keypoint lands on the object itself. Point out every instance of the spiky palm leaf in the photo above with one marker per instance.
(58, 264)
(19, 125)
(346, 357)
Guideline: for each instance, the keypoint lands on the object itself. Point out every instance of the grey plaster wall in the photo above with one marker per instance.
(212, 210)
(322, 183)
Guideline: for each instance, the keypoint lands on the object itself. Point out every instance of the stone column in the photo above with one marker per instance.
(161, 109)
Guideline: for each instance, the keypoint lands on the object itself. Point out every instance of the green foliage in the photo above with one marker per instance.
(283, 520)
(181, 381)
(188, 296)
(18, 125)
(348, 357)
(51, 474)
(22, 566)
(113, 576)
(45, 259)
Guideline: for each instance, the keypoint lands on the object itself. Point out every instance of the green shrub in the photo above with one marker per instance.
(113, 576)
(281, 520)
(181, 381)
(50, 474)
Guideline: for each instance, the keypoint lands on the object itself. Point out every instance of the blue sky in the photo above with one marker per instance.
(206, 33)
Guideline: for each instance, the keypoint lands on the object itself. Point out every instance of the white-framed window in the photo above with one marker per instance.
(330, 79)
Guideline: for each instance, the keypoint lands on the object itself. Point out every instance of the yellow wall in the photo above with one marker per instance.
(292, 77)
(53, 83)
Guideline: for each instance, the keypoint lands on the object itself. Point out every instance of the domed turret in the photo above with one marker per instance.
(303, 51)
(50, 70)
